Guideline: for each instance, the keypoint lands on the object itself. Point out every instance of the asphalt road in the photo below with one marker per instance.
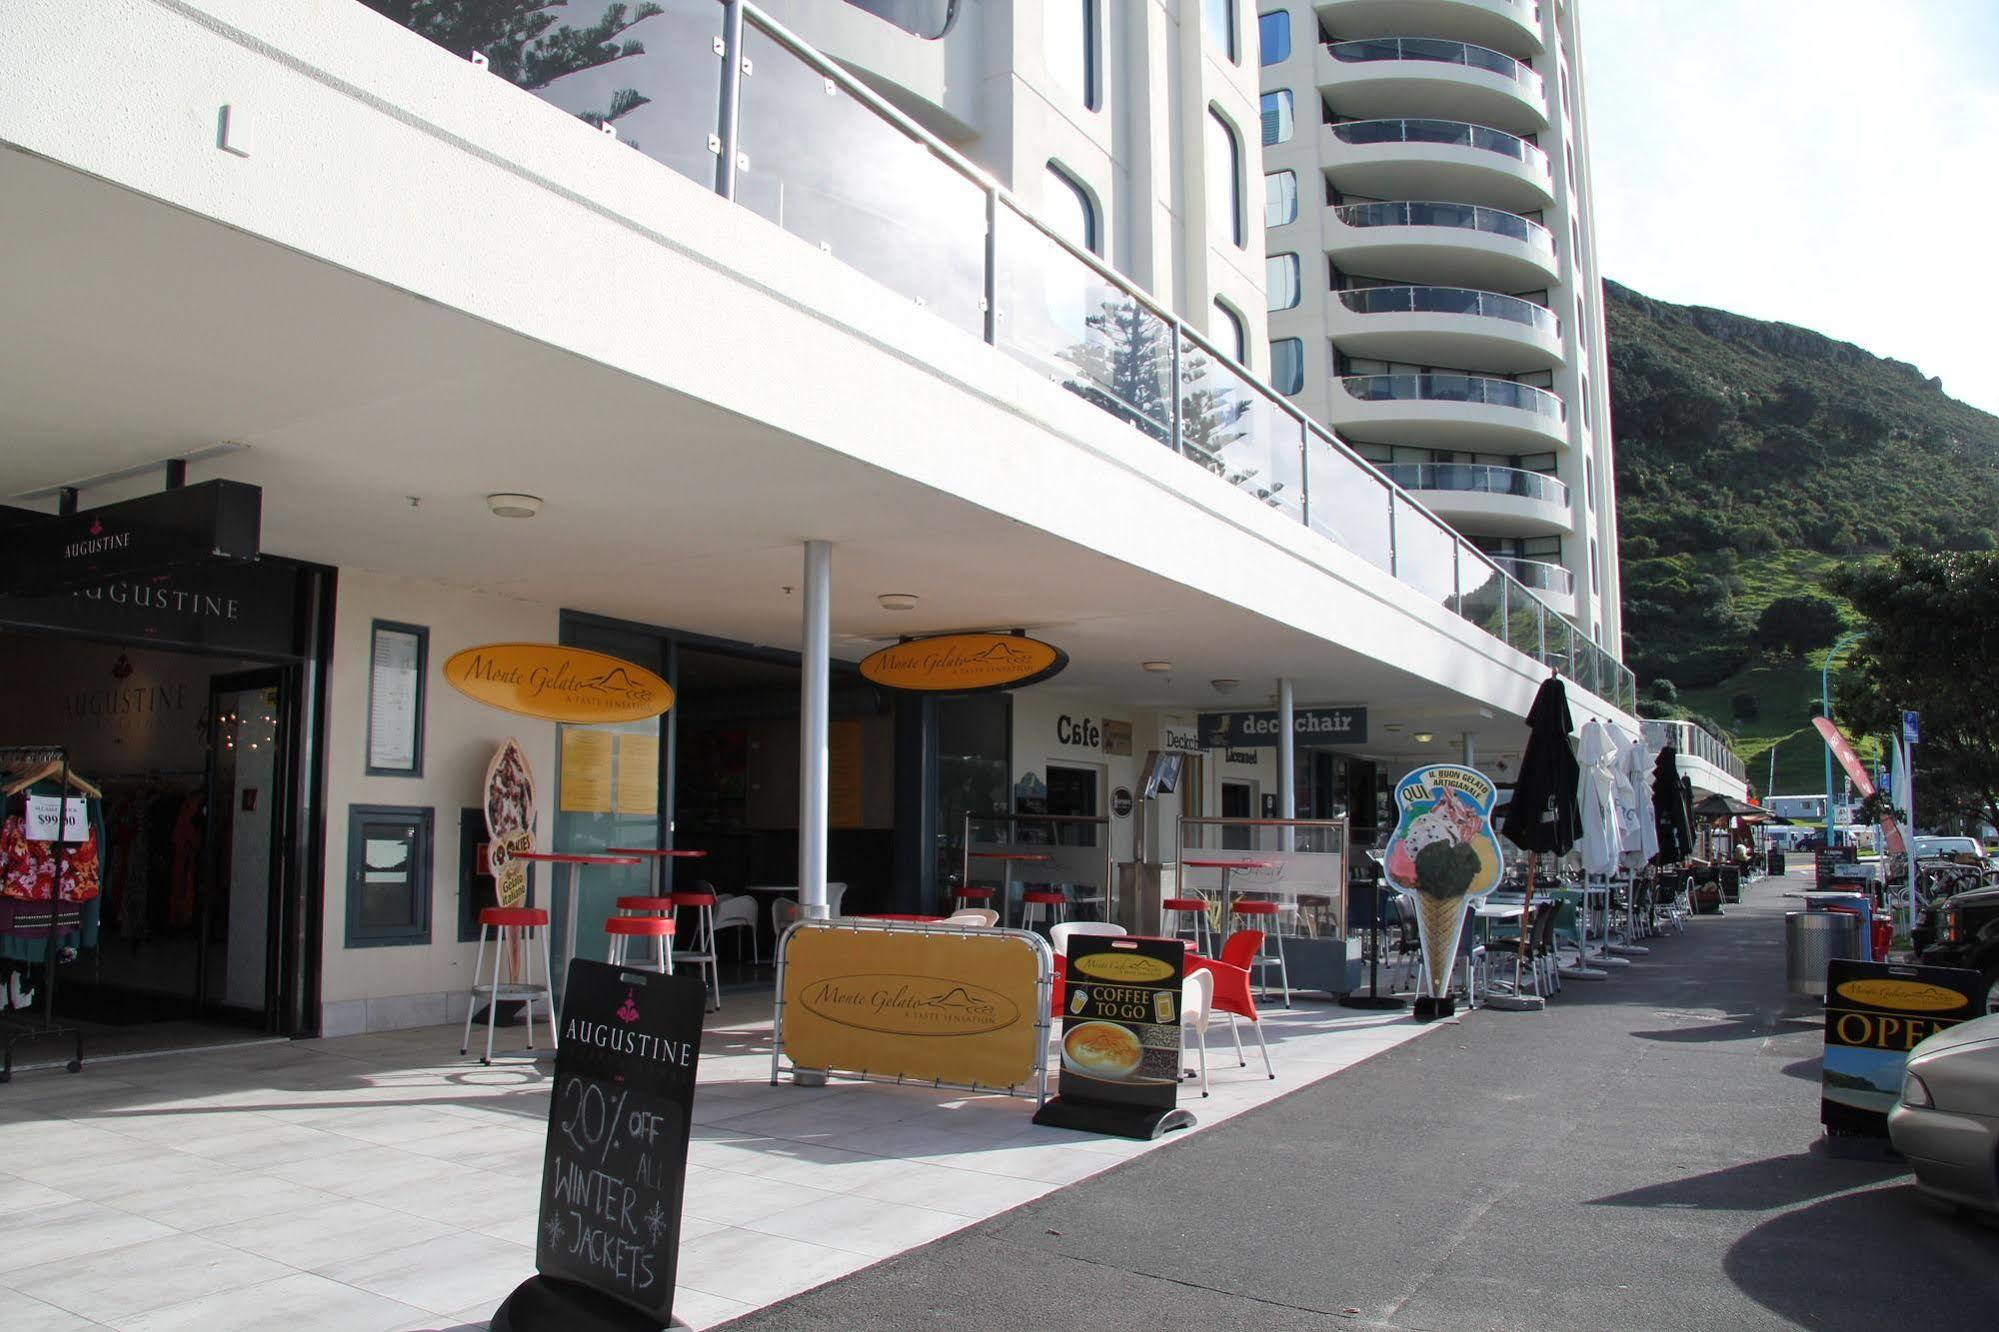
(1645, 1154)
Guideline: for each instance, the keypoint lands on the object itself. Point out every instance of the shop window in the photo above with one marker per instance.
(1273, 35)
(1218, 17)
(388, 875)
(1280, 198)
(1279, 117)
(1069, 210)
(1069, 44)
(1281, 280)
(1229, 333)
(1224, 179)
(1287, 365)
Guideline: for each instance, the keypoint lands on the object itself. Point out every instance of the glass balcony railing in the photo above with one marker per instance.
(1451, 300)
(1538, 574)
(1464, 217)
(1453, 132)
(1479, 478)
(1694, 741)
(1454, 388)
(1439, 51)
(818, 154)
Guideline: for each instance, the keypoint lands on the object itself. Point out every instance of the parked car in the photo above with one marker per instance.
(1931, 846)
(1963, 931)
(1947, 1122)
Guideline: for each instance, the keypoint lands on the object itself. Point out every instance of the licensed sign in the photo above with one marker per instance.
(964, 663)
(555, 683)
(1875, 1013)
(615, 1162)
(1121, 1037)
(1260, 730)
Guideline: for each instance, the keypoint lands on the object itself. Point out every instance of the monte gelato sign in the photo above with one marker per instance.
(562, 684)
(964, 663)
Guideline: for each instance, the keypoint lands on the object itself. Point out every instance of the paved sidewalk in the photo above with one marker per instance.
(384, 1182)
(1644, 1155)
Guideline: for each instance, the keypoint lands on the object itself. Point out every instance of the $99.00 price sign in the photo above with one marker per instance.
(616, 1159)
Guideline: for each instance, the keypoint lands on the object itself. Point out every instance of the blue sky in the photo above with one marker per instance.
(1829, 163)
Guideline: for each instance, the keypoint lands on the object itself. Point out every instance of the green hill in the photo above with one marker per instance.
(1751, 458)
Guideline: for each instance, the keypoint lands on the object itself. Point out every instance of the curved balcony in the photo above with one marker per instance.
(1491, 501)
(1446, 326)
(1438, 159)
(1457, 244)
(1448, 411)
(1554, 582)
(1512, 26)
(1382, 76)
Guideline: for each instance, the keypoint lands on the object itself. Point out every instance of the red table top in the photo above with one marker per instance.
(563, 858)
(658, 853)
(1229, 864)
(1010, 855)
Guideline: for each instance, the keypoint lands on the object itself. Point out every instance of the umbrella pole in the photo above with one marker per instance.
(1526, 913)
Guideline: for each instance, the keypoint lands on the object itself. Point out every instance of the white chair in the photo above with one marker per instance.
(739, 912)
(1197, 1009)
(783, 911)
(985, 917)
(1058, 935)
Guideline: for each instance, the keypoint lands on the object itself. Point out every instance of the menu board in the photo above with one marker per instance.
(395, 700)
(618, 1126)
(1875, 1013)
(1121, 1037)
(585, 785)
(638, 773)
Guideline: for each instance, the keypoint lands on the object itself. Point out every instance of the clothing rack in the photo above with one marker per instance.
(15, 759)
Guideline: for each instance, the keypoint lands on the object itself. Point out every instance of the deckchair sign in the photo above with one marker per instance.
(562, 684)
(964, 663)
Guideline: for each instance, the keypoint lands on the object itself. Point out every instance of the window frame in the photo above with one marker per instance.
(1091, 94)
(1262, 49)
(1230, 38)
(1238, 231)
(1238, 328)
(1275, 383)
(1287, 103)
(1297, 280)
(1270, 176)
(1092, 215)
(421, 633)
(422, 820)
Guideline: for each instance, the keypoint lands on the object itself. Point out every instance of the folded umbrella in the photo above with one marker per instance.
(1543, 815)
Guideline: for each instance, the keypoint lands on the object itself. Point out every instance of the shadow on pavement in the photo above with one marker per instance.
(1758, 1186)
(1809, 1070)
(1734, 1027)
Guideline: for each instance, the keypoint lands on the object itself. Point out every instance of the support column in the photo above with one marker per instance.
(1470, 756)
(814, 670)
(1287, 772)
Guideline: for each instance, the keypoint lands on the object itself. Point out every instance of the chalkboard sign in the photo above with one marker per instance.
(1120, 1037)
(616, 1158)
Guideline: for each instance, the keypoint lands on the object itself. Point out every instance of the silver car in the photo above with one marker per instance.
(1947, 1123)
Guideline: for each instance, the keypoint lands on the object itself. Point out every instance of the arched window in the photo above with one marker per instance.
(1069, 45)
(1229, 332)
(1279, 116)
(1218, 17)
(1280, 198)
(1287, 365)
(1068, 209)
(1281, 280)
(1224, 178)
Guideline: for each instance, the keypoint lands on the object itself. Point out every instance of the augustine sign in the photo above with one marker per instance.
(1259, 730)
(562, 684)
(964, 663)
(1875, 1013)
(208, 521)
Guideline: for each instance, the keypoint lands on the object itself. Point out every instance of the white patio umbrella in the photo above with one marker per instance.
(1596, 799)
(1641, 837)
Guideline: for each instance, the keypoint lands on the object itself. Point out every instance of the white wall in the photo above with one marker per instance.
(1037, 718)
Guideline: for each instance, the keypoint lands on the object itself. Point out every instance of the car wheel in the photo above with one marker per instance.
(1990, 974)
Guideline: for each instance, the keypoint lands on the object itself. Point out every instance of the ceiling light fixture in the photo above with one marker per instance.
(1424, 737)
(1393, 726)
(506, 505)
(897, 601)
(1224, 686)
(1157, 667)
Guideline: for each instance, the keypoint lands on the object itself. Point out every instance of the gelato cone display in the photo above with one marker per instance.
(1439, 920)
(1443, 855)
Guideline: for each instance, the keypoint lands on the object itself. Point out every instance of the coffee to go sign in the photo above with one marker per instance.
(554, 683)
(964, 663)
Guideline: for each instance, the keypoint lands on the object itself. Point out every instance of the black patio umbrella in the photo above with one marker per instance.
(1544, 814)
(1672, 815)
(1719, 806)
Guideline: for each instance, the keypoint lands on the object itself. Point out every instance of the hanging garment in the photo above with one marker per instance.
(187, 861)
(28, 868)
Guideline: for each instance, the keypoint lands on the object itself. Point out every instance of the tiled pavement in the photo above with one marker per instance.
(382, 1182)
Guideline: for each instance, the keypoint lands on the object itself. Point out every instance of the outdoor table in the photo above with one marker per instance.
(1485, 913)
(1228, 869)
(659, 856)
(1007, 861)
(568, 886)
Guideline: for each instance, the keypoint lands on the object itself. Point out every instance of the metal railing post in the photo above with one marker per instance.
(1173, 389)
(729, 117)
(992, 267)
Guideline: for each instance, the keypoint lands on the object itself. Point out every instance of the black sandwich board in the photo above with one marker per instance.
(1875, 1013)
(608, 1240)
(1121, 1038)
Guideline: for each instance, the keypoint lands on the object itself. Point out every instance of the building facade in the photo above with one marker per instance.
(1434, 293)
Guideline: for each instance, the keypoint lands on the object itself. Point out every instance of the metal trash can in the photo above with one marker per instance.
(1860, 904)
(1812, 939)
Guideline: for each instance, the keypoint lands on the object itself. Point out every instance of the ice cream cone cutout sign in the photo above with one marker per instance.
(1443, 855)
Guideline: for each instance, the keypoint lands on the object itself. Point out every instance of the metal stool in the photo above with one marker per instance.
(1261, 915)
(1049, 905)
(1172, 908)
(645, 906)
(701, 940)
(516, 926)
(622, 930)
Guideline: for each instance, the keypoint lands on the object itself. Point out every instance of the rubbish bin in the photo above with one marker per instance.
(1812, 939)
(1859, 904)
(1731, 884)
(1776, 861)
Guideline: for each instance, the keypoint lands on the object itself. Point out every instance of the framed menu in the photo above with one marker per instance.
(396, 655)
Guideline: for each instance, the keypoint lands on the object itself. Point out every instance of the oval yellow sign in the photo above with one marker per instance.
(555, 683)
(899, 1005)
(1904, 996)
(964, 663)
(1131, 967)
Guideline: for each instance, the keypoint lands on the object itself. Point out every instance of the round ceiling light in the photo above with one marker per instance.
(897, 601)
(1224, 686)
(1158, 667)
(514, 506)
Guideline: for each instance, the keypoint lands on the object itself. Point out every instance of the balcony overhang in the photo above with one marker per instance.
(1401, 170)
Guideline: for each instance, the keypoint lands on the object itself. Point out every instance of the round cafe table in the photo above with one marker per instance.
(568, 885)
(659, 856)
(1008, 859)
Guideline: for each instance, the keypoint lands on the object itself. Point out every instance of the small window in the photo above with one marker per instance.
(1287, 365)
(1280, 198)
(1228, 331)
(1279, 120)
(1069, 211)
(1224, 179)
(1281, 280)
(1273, 34)
(1069, 44)
(1218, 16)
(388, 875)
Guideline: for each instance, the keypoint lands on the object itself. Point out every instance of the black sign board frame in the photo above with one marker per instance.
(607, 1244)
(1881, 1011)
(1121, 1055)
(185, 525)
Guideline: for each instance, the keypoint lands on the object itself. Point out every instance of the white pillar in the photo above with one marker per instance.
(1287, 772)
(813, 670)
(1470, 759)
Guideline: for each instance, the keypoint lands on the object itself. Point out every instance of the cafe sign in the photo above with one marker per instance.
(562, 684)
(1260, 730)
(1875, 1013)
(964, 663)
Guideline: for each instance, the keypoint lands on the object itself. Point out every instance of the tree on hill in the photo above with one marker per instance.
(1793, 626)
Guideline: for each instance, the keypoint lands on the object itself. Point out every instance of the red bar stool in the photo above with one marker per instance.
(701, 939)
(1257, 914)
(1049, 906)
(515, 926)
(646, 906)
(623, 930)
(1170, 912)
(963, 896)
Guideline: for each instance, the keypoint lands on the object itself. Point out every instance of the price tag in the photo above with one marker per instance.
(44, 811)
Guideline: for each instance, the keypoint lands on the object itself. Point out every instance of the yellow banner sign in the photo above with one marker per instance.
(965, 663)
(960, 1007)
(1909, 996)
(554, 683)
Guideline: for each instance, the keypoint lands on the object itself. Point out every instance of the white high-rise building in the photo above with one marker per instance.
(1434, 294)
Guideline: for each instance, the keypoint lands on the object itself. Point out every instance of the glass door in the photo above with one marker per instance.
(236, 954)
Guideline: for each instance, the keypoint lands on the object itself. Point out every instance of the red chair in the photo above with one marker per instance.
(963, 897)
(1232, 990)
